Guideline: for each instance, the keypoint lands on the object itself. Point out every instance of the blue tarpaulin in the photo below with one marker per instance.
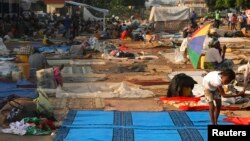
(9, 88)
(135, 126)
(52, 49)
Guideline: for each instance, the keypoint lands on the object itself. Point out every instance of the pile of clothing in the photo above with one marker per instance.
(30, 126)
(122, 54)
(118, 52)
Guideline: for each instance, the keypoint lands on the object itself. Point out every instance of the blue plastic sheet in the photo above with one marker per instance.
(9, 88)
(135, 126)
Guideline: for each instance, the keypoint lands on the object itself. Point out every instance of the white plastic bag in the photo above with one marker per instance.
(178, 56)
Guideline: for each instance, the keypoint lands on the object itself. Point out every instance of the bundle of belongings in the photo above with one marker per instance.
(31, 126)
(27, 116)
(111, 50)
(46, 78)
(3, 48)
(9, 72)
(79, 49)
(222, 33)
(26, 50)
(181, 85)
(122, 54)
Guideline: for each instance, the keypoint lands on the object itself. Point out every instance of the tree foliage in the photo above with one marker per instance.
(225, 4)
(112, 3)
(219, 4)
(116, 7)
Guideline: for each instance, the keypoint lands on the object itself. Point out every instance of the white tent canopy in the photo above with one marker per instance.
(150, 3)
(105, 11)
(169, 13)
(87, 15)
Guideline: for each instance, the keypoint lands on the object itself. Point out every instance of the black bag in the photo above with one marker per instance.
(178, 82)
(18, 112)
(5, 100)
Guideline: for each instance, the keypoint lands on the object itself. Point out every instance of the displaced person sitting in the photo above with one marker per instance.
(213, 83)
(37, 61)
(46, 41)
(124, 34)
(215, 57)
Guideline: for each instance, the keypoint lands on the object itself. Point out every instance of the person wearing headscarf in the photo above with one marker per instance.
(215, 57)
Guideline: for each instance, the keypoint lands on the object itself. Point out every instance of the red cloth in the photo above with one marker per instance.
(48, 123)
(124, 35)
(194, 108)
(58, 76)
(238, 120)
(180, 98)
(123, 48)
(205, 107)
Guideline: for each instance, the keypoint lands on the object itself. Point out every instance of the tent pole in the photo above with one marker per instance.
(83, 13)
(104, 22)
(2, 8)
(10, 4)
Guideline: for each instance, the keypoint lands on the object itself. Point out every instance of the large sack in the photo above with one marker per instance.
(3, 49)
(43, 105)
(180, 84)
(28, 109)
(77, 50)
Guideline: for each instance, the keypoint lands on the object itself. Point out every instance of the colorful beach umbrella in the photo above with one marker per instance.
(195, 45)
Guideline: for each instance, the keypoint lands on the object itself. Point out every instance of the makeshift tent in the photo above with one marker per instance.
(169, 19)
(86, 13)
(150, 3)
(89, 16)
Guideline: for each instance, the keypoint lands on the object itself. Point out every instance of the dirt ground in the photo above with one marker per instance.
(10, 137)
(62, 105)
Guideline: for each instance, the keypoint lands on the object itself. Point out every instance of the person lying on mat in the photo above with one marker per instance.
(215, 57)
(213, 83)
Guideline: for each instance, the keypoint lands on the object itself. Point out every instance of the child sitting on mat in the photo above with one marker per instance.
(213, 83)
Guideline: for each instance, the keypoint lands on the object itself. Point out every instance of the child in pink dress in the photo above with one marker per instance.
(58, 76)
